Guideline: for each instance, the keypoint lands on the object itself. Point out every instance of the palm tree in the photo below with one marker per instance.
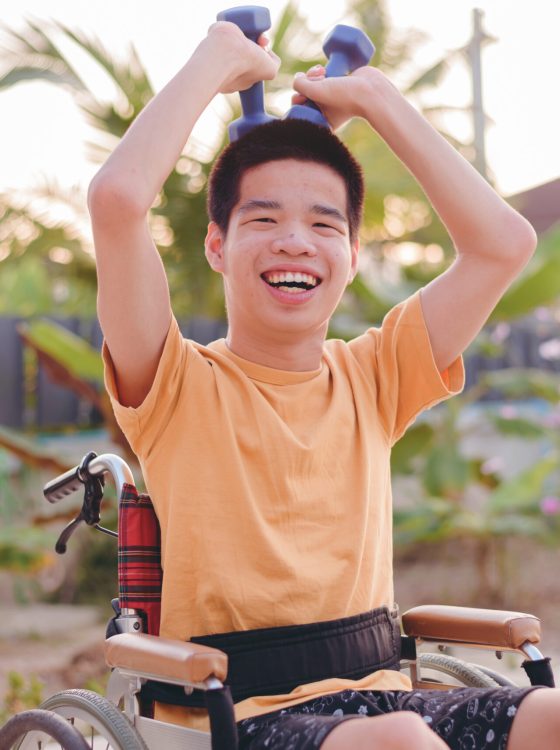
(179, 218)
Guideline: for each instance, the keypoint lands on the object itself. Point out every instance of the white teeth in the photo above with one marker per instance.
(290, 289)
(279, 277)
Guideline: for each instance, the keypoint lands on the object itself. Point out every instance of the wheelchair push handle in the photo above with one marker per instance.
(89, 476)
(74, 479)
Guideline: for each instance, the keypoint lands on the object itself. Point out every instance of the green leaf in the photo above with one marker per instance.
(430, 77)
(535, 288)
(430, 521)
(416, 441)
(519, 383)
(518, 427)
(516, 525)
(523, 491)
(30, 451)
(23, 548)
(73, 353)
(447, 472)
(17, 75)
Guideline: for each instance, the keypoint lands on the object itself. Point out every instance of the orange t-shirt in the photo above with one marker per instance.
(272, 487)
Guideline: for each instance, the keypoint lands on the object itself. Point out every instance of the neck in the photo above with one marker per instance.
(287, 351)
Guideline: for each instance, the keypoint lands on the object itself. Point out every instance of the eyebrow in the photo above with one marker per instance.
(254, 203)
(316, 208)
(322, 210)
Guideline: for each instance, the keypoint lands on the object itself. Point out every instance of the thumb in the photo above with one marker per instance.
(304, 85)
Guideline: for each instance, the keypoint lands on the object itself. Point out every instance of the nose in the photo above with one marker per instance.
(294, 243)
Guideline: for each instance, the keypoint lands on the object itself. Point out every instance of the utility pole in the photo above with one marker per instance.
(479, 37)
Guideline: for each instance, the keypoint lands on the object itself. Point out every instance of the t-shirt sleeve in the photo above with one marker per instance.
(142, 425)
(407, 380)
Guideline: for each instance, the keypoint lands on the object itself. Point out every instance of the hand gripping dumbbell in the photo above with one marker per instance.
(347, 49)
(253, 20)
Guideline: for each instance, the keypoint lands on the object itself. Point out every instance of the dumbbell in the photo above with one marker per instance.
(347, 49)
(253, 20)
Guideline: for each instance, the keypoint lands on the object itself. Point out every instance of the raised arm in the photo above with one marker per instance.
(493, 242)
(133, 295)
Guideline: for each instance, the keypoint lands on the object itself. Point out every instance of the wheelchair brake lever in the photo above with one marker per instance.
(62, 541)
(91, 506)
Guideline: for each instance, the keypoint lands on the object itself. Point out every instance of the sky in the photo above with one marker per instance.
(43, 134)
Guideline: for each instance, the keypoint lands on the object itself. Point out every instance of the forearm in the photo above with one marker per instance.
(146, 155)
(477, 219)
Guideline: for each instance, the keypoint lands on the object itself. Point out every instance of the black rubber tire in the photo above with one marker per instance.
(50, 724)
(99, 714)
(466, 674)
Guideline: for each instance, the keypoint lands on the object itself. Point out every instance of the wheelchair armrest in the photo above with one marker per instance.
(483, 627)
(165, 659)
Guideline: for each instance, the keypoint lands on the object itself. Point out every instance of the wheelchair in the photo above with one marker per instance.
(138, 657)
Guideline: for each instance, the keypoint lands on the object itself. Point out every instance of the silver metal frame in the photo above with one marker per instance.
(527, 649)
(124, 685)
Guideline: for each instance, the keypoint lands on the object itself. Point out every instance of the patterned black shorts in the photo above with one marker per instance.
(465, 718)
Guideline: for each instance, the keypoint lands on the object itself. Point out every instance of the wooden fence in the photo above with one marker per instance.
(28, 399)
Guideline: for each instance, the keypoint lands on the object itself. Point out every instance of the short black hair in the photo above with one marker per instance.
(283, 139)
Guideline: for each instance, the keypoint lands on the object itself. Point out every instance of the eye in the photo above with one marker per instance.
(265, 220)
(322, 225)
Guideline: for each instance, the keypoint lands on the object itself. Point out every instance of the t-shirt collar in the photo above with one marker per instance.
(262, 373)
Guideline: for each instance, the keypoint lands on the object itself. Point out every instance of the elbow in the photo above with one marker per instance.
(528, 239)
(522, 240)
(110, 199)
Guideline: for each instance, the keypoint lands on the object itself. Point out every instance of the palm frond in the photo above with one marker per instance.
(131, 78)
(34, 49)
(429, 78)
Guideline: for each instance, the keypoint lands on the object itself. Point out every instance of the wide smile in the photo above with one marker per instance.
(291, 282)
(291, 287)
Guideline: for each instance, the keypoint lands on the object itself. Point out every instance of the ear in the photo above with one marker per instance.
(354, 250)
(214, 247)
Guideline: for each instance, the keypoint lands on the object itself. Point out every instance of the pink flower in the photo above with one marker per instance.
(550, 506)
(508, 412)
(492, 465)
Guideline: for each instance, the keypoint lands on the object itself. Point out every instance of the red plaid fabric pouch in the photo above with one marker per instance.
(139, 557)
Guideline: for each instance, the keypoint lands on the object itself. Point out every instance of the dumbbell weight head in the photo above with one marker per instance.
(253, 20)
(347, 49)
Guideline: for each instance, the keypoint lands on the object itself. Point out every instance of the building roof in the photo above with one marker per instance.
(539, 205)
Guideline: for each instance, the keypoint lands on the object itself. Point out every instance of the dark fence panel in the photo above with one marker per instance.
(11, 374)
(56, 406)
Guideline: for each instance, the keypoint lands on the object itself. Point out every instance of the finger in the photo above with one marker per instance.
(298, 99)
(303, 84)
(316, 70)
(263, 40)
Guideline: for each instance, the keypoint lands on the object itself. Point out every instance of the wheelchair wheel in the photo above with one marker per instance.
(464, 674)
(98, 721)
(43, 726)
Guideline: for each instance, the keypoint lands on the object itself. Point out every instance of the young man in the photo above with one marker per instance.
(267, 454)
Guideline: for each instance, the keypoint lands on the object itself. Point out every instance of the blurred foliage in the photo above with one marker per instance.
(55, 267)
(464, 495)
(48, 265)
(22, 694)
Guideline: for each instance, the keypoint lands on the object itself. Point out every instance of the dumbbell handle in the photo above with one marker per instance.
(336, 66)
(340, 63)
(252, 99)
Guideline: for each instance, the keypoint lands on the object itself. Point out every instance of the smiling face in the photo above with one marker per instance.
(287, 258)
